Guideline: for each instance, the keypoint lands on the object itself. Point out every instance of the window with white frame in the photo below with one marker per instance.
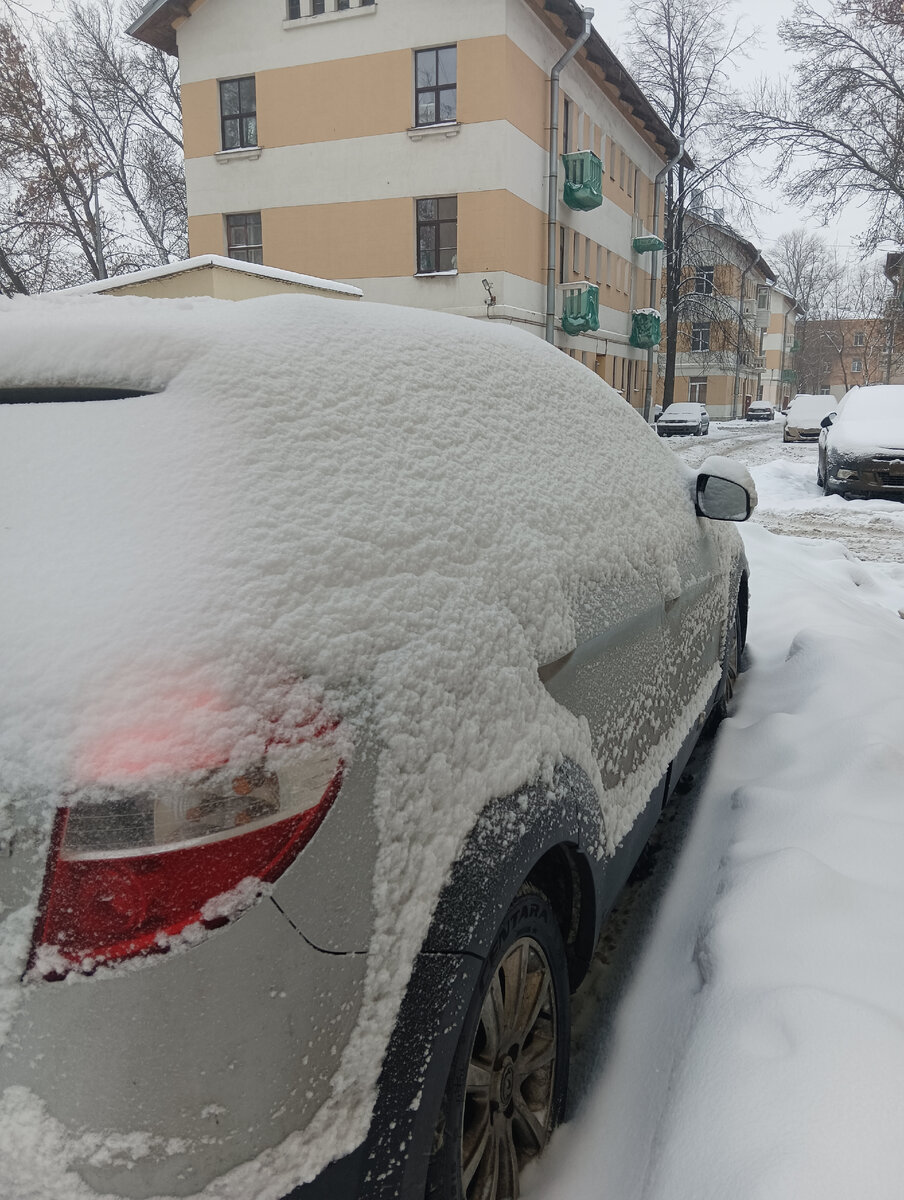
(858, 339)
(856, 366)
(700, 336)
(696, 390)
(703, 280)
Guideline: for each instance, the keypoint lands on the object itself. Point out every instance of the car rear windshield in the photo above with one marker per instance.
(66, 395)
(873, 408)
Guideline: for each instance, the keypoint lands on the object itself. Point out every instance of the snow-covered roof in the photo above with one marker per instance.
(203, 261)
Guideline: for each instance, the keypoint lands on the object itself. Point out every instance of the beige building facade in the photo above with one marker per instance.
(736, 333)
(401, 146)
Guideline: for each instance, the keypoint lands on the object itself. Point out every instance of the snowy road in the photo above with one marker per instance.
(790, 501)
(742, 1033)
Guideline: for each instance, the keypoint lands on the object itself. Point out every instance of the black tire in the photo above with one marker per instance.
(506, 1088)
(731, 669)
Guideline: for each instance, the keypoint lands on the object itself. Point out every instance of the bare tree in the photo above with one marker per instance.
(90, 152)
(838, 127)
(681, 53)
(809, 270)
(806, 266)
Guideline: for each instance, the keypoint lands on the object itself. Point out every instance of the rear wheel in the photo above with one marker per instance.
(509, 1075)
(731, 667)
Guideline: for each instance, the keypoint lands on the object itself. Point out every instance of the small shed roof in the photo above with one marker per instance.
(215, 275)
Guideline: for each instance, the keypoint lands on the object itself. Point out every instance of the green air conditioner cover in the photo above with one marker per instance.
(581, 310)
(583, 180)
(646, 329)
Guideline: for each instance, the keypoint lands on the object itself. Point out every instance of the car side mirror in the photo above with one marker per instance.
(722, 499)
(827, 421)
(725, 490)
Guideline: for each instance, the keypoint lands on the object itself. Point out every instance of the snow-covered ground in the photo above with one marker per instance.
(756, 1050)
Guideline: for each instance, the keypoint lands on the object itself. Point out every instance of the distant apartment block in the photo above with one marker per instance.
(736, 329)
(402, 146)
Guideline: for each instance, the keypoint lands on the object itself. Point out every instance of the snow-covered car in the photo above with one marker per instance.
(678, 419)
(349, 655)
(759, 410)
(804, 417)
(861, 448)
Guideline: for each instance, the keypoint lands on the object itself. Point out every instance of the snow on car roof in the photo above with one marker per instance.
(385, 471)
(402, 507)
(682, 409)
(883, 402)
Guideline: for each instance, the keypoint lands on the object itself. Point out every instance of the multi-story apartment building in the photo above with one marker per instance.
(402, 146)
(736, 327)
(834, 355)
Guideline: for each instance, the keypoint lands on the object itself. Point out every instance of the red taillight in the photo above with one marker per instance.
(128, 875)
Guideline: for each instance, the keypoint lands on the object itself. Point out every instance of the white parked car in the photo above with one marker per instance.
(680, 419)
(804, 417)
(349, 654)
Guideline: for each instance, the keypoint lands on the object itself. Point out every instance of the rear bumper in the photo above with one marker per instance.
(159, 1078)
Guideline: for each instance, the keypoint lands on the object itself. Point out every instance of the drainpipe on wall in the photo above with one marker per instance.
(553, 199)
(654, 267)
(737, 371)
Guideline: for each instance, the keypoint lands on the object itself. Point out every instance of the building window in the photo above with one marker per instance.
(437, 235)
(243, 237)
(567, 123)
(696, 390)
(293, 10)
(700, 335)
(434, 85)
(238, 112)
(858, 339)
(856, 366)
(703, 281)
(762, 298)
(318, 8)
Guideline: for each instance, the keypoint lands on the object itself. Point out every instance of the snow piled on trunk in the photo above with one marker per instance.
(760, 1050)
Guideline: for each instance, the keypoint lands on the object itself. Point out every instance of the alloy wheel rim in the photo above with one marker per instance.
(507, 1116)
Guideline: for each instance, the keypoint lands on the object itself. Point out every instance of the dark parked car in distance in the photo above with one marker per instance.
(861, 447)
(760, 411)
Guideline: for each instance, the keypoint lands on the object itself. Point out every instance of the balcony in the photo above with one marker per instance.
(580, 308)
(583, 180)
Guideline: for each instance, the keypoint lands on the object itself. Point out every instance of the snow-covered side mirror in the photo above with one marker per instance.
(826, 422)
(725, 490)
